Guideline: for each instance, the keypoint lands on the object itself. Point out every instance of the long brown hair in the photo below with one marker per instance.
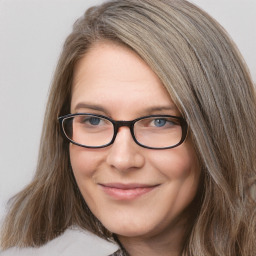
(209, 82)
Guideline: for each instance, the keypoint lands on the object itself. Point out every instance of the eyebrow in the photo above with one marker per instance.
(90, 106)
(162, 108)
(147, 111)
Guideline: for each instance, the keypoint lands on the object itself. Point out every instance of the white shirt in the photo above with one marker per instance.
(74, 242)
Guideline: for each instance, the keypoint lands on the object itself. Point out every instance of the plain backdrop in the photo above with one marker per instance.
(31, 36)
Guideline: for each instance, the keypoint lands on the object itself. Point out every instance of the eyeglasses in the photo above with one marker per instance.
(98, 131)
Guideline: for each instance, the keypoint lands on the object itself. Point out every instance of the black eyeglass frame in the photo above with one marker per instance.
(130, 124)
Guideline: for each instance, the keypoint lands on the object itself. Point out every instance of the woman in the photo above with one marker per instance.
(147, 138)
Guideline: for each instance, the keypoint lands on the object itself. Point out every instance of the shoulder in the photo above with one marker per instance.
(72, 242)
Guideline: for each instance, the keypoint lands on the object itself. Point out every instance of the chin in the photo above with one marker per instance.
(132, 231)
(133, 227)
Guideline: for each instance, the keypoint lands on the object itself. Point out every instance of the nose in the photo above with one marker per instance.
(124, 154)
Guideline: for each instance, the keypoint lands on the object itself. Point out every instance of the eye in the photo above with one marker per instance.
(159, 122)
(94, 120)
(90, 120)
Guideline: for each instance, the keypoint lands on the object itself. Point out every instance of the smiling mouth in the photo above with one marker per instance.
(126, 191)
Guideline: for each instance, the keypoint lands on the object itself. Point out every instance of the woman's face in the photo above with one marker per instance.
(133, 191)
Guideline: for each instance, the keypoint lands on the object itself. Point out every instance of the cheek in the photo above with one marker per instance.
(84, 161)
(181, 169)
(83, 165)
(177, 163)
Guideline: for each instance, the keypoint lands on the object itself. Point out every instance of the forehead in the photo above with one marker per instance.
(114, 75)
(116, 60)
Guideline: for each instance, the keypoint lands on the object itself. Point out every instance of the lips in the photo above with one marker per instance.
(126, 191)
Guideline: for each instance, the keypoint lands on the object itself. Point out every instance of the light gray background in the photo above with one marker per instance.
(31, 36)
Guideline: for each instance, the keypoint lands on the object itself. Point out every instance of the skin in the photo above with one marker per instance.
(112, 80)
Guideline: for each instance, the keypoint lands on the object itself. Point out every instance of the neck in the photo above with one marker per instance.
(163, 244)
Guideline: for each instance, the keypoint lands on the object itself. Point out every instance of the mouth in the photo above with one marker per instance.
(121, 191)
